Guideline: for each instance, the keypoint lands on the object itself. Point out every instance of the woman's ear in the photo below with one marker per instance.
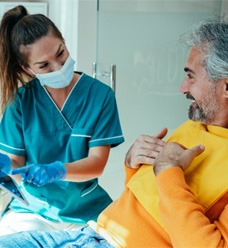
(28, 71)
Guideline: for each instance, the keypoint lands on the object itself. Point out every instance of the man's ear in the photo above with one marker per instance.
(28, 71)
(226, 89)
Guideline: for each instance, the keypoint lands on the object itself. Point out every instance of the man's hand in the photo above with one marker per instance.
(145, 149)
(174, 154)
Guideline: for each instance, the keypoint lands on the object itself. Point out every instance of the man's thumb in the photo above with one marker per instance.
(197, 150)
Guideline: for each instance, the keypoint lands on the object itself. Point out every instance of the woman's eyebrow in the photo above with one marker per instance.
(57, 52)
(60, 47)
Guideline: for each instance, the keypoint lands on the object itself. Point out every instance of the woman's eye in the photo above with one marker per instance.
(43, 66)
(61, 53)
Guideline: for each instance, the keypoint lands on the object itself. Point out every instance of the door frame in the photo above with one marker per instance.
(87, 35)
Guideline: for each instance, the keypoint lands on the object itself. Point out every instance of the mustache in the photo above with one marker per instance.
(189, 96)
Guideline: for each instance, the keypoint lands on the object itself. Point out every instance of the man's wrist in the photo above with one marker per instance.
(158, 168)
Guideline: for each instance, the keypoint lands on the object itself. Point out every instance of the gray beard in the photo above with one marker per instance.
(197, 114)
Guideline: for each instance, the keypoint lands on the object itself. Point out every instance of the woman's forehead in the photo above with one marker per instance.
(43, 48)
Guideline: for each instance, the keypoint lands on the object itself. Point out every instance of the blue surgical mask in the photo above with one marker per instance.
(58, 79)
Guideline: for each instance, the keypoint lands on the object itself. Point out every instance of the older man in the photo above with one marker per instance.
(182, 199)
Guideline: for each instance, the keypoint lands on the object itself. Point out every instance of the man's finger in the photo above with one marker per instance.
(162, 133)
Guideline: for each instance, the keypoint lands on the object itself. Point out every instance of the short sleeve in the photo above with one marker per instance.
(108, 128)
(11, 133)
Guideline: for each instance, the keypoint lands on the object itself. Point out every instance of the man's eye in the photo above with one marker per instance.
(189, 76)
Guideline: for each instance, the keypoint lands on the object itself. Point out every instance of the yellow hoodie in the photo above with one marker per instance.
(176, 208)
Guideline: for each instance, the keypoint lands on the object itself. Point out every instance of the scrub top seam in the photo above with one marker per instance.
(58, 109)
(11, 147)
(71, 92)
(108, 138)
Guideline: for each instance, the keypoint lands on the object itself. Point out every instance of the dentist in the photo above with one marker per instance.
(57, 127)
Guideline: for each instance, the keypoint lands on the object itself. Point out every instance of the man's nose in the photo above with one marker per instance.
(184, 86)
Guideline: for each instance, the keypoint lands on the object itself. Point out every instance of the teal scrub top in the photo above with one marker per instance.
(34, 127)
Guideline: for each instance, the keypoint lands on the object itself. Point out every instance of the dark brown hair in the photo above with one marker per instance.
(17, 30)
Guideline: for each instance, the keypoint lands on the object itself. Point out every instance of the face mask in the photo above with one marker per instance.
(58, 79)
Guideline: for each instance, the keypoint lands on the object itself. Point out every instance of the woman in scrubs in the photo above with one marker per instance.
(57, 127)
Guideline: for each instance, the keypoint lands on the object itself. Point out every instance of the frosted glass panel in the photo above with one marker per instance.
(141, 39)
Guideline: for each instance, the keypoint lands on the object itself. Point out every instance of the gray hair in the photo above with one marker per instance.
(211, 38)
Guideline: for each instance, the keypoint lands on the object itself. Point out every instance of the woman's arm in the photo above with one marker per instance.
(90, 167)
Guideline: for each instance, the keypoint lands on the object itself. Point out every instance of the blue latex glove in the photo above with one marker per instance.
(5, 163)
(41, 174)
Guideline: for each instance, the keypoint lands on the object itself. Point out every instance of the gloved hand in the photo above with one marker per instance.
(41, 174)
(5, 163)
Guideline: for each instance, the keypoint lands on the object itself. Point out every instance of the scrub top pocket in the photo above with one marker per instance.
(78, 145)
